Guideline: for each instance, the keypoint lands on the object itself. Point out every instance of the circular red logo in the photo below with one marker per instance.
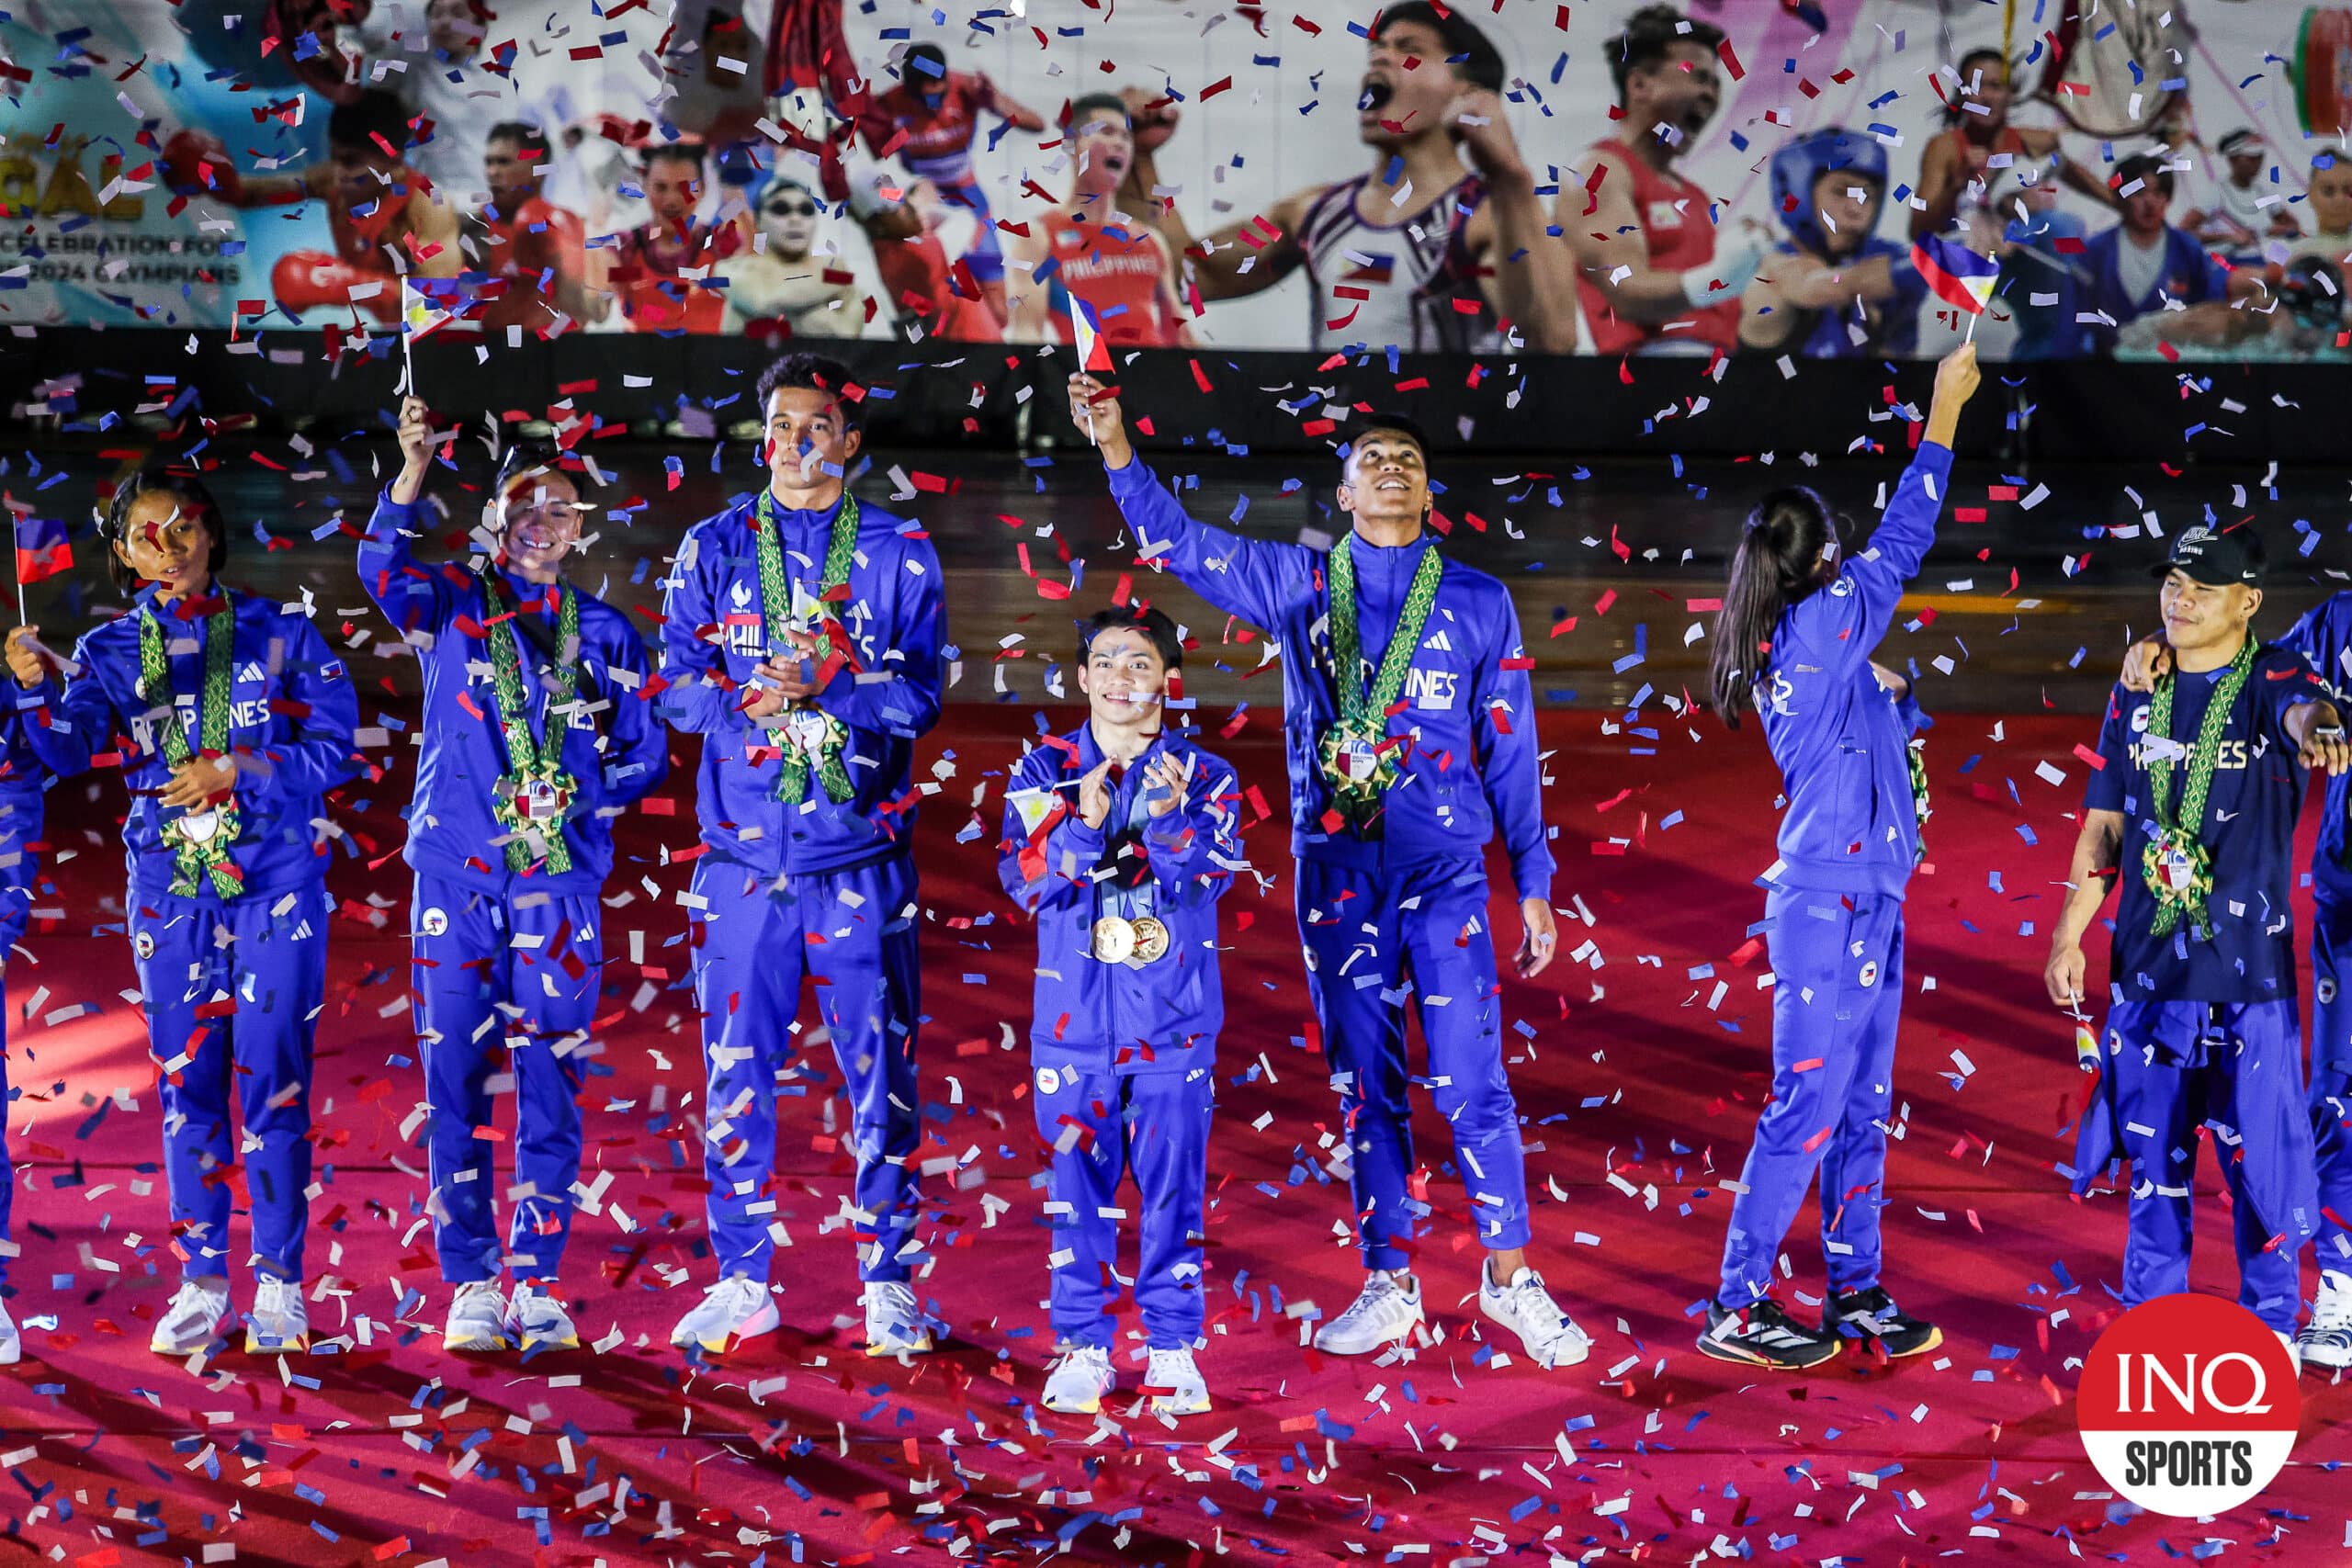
(2189, 1406)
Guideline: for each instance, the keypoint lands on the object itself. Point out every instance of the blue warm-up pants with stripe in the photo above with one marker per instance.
(1837, 998)
(755, 937)
(2170, 1069)
(1379, 942)
(2331, 1087)
(1102, 1126)
(513, 985)
(233, 991)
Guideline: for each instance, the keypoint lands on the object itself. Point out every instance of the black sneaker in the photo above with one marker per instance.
(1764, 1335)
(1873, 1317)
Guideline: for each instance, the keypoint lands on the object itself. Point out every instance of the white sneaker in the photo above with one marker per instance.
(477, 1318)
(279, 1322)
(1081, 1375)
(12, 1344)
(893, 1322)
(2327, 1339)
(739, 1307)
(1386, 1310)
(1527, 1309)
(538, 1322)
(1183, 1392)
(193, 1317)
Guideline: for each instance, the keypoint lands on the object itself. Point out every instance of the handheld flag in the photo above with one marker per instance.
(42, 549)
(1956, 275)
(1093, 354)
(420, 316)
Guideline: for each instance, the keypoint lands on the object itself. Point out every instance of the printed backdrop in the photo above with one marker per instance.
(95, 94)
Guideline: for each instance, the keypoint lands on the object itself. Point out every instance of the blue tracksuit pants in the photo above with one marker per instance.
(2237, 1069)
(1837, 998)
(853, 931)
(233, 991)
(16, 904)
(1100, 1126)
(512, 986)
(1377, 943)
(2331, 1088)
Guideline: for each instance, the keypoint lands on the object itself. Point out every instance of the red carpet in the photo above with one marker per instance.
(1645, 1051)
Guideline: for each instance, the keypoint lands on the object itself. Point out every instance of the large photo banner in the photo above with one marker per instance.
(1777, 178)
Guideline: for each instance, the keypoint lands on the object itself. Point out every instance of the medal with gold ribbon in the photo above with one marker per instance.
(814, 740)
(531, 800)
(1357, 766)
(199, 840)
(2178, 868)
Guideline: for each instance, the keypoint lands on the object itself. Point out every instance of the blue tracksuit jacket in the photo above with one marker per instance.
(713, 635)
(613, 743)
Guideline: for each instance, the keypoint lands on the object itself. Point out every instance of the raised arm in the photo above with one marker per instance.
(1250, 578)
(316, 696)
(1225, 266)
(1844, 622)
(1530, 273)
(416, 598)
(996, 100)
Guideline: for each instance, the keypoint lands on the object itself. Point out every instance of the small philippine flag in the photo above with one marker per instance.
(42, 548)
(1958, 276)
(1093, 354)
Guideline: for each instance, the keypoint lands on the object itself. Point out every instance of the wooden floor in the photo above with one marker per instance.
(2020, 608)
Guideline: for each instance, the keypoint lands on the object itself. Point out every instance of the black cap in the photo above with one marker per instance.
(2215, 557)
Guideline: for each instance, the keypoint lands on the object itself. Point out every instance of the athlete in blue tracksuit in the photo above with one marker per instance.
(20, 818)
(1392, 883)
(227, 850)
(507, 944)
(2323, 635)
(1122, 875)
(1796, 639)
(2192, 809)
(806, 808)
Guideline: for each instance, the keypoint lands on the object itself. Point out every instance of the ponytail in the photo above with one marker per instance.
(1776, 565)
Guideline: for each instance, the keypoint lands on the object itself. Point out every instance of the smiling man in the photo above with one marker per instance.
(1416, 252)
(2192, 810)
(801, 635)
(1409, 722)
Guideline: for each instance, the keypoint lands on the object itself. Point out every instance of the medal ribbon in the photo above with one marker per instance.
(2178, 833)
(1915, 756)
(1363, 713)
(528, 760)
(195, 862)
(775, 610)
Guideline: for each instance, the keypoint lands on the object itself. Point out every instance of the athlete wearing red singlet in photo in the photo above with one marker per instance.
(917, 278)
(535, 247)
(929, 121)
(1121, 267)
(1962, 154)
(665, 268)
(1650, 272)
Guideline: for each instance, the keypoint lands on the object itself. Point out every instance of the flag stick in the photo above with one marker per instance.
(1969, 336)
(408, 366)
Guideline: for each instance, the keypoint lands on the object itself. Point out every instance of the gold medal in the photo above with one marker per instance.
(1151, 939)
(1114, 940)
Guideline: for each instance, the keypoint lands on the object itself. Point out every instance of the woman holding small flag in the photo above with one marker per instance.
(239, 720)
(1799, 625)
(537, 732)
